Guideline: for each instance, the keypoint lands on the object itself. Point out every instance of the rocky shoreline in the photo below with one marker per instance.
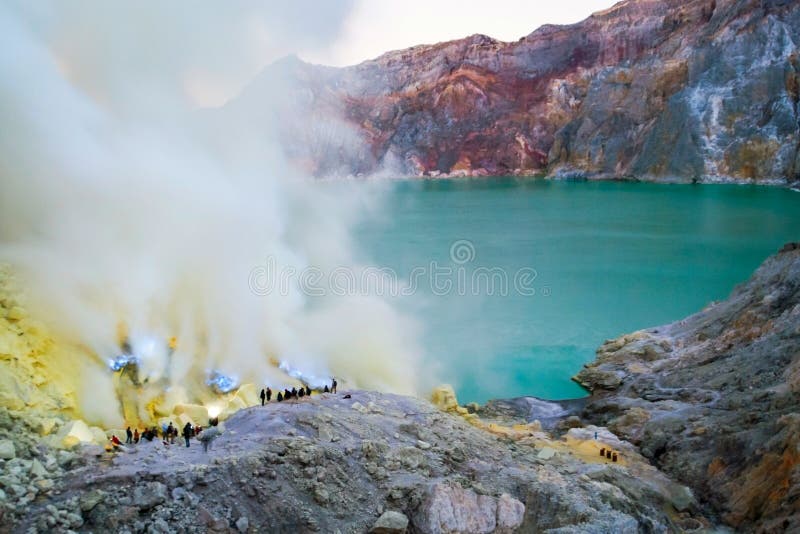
(702, 413)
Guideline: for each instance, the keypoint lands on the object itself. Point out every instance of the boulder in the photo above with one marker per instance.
(182, 419)
(444, 398)
(47, 425)
(7, 449)
(37, 469)
(74, 433)
(546, 453)
(681, 497)
(410, 458)
(196, 412)
(593, 378)
(390, 522)
(248, 394)
(101, 436)
(510, 514)
(449, 508)
(242, 524)
(44, 484)
(13, 391)
(90, 499)
(234, 405)
(573, 421)
(630, 423)
(149, 495)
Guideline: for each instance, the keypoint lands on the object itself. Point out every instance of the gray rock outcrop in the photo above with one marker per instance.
(714, 399)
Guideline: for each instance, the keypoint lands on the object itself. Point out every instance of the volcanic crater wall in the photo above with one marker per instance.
(699, 90)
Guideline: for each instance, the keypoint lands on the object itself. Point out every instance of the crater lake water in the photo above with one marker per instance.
(605, 258)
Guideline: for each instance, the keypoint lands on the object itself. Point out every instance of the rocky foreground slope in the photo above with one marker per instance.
(697, 90)
(714, 399)
(373, 462)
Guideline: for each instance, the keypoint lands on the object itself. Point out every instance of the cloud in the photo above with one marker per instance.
(127, 53)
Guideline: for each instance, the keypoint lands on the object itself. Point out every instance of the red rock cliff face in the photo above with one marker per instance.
(674, 90)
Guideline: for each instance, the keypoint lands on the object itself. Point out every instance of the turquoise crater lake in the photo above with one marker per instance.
(609, 258)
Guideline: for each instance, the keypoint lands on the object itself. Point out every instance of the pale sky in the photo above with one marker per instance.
(373, 27)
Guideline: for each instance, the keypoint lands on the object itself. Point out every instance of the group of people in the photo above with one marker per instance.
(294, 393)
(609, 454)
(167, 433)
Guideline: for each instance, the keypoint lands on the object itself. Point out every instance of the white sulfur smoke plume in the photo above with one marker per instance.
(125, 207)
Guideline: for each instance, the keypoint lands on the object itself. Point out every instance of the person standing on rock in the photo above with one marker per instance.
(187, 433)
(333, 386)
(263, 396)
(136, 435)
(269, 394)
(128, 435)
(308, 390)
(280, 397)
(301, 392)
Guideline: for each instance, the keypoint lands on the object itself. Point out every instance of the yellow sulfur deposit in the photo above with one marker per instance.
(247, 394)
(444, 398)
(578, 443)
(71, 395)
(197, 413)
(36, 374)
(71, 434)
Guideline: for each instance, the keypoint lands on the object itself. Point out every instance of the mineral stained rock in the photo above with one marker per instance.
(714, 399)
(662, 90)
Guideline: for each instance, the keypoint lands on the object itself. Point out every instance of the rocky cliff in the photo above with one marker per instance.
(714, 399)
(675, 90)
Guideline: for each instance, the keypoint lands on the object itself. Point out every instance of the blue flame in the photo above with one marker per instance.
(221, 382)
(309, 380)
(122, 361)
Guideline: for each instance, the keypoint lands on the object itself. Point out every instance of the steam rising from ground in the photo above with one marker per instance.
(131, 213)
